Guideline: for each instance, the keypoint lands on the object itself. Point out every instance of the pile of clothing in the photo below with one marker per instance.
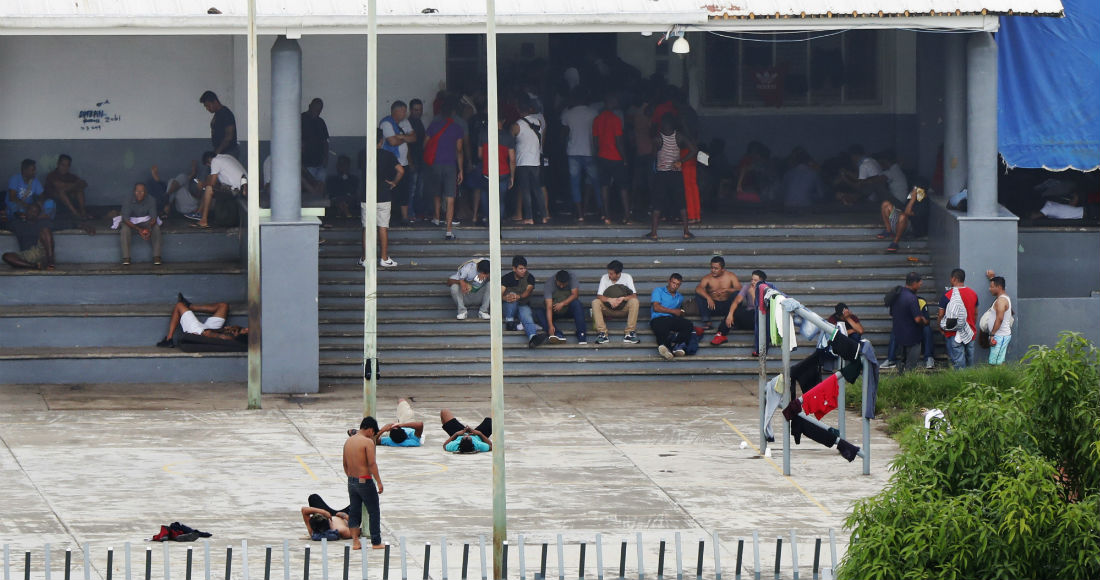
(177, 532)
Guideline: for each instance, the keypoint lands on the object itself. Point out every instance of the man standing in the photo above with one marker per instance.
(390, 174)
(578, 135)
(607, 129)
(616, 296)
(227, 177)
(444, 159)
(517, 288)
(959, 320)
(65, 187)
(314, 148)
(667, 321)
(562, 294)
(529, 132)
(716, 291)
(1000, 334)
(468, 288)
(397, 133)
(668, 184)
(908, 319)
(362, 471)
(139, 214)
(415, 185)
(223, 126)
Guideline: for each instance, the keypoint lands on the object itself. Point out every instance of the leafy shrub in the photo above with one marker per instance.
(1009, 488)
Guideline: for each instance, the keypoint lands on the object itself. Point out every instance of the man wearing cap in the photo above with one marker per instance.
(908, 320)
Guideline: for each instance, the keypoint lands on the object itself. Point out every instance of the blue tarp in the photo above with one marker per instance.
(1048, 72)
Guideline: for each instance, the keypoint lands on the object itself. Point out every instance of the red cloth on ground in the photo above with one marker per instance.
(822, 398)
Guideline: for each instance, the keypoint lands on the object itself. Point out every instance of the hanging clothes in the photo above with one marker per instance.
(773, 396)
(870, 380)
(825, 436)
(823, 398)
(851, 371)
(847, 450)
(807, 373)
(844, 347)
(779, 331)
(793, 409)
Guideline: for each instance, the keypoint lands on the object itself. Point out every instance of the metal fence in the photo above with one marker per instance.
(202, 560)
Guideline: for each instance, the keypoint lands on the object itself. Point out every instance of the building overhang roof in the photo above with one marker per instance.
(181, 17)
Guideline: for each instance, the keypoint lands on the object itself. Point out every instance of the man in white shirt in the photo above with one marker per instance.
(529, 132)
(867, 182)
(468, 287)
(227, 175)
(616, 296)
(398, 133)
(578, 134)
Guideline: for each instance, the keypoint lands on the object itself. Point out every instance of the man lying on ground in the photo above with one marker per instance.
(464, 439)
(183, 318)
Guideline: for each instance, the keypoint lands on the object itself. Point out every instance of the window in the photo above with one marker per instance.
(465, 61)
(792, 70)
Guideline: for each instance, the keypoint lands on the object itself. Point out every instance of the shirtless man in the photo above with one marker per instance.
(319, 520)
(362, 471)
(66, 188)
(716, 290)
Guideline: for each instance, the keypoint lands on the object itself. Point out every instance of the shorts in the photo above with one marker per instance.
(383, 213)
(612, 172)
(667, 194)
(895, 214)
(441, 180)
(35, 254)
(190, 324)
(454, 426)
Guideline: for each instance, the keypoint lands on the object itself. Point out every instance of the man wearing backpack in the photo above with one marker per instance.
(529, 132)
(907, 322)
(444, 160)
(226, 181)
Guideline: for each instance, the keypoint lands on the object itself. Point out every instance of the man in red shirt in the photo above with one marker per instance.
(960, 351)
(607, 129)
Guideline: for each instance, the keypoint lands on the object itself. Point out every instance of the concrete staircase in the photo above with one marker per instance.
(93, 320)
(418, 333)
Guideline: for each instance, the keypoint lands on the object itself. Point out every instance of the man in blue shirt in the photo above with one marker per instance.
(405, 432)
(908, 319)
(464, 439)
(667, 321)
(30, 217)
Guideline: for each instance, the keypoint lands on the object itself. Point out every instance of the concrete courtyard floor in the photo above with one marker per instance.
(108, 464)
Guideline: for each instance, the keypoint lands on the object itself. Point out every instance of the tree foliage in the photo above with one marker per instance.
(1008, 488)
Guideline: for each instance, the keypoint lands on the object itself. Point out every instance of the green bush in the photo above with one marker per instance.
(1009, 488)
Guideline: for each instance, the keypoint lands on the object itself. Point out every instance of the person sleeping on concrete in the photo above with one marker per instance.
(463, 439)
(213, 328)
(324, 523)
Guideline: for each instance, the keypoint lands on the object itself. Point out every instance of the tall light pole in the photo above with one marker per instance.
(255, 330)
(370, 282)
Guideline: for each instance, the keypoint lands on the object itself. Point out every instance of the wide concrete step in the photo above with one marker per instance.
(51, 365)
(179, 244)
(664, 261)
(816, 246)
(844, 276)
(140, 283)
(98, 325)
(596, 233)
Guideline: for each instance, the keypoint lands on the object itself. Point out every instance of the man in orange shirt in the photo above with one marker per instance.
(607, 129)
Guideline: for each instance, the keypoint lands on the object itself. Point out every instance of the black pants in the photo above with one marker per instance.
(529, 192)
(743, 319)
(671, 330)
(720, 307)
(485, 427)
(315, 501)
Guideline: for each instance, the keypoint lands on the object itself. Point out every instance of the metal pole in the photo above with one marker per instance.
(254, 323)
(785, 324)
(762, 379)
(370, 278)
(863, 416)
(496, 351)
(841, 395)
(954, 115)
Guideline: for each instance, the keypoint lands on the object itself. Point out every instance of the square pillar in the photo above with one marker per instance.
(288, 282)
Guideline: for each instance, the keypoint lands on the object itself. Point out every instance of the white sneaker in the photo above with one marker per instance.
(483, 315)
(437, 222)
(462, 315)
(929, 363)
(387, 263)
(665, 352)
(361, 263)
(887, 365)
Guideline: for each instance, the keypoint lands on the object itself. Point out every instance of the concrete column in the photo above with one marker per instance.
(954, 115)
(981, 125)
(286, 131)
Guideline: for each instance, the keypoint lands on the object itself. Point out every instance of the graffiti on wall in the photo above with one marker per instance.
(94, 118)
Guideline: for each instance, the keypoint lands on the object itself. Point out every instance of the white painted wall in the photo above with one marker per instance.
(153, 83)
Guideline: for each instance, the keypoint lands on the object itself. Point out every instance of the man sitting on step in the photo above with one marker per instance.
(183, 318)
(562, 296)
(469, 287)
(616, 297)
(673, 331)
